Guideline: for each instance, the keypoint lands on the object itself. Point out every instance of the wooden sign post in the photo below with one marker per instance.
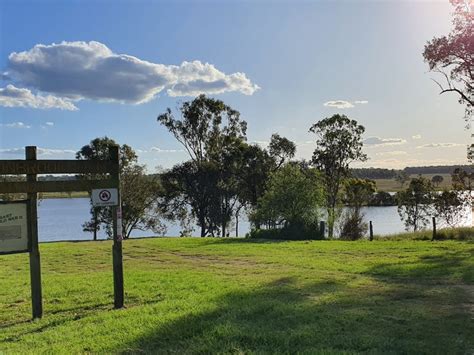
(35, 264)
(31, 167)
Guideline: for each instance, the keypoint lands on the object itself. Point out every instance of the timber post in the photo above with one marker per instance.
(434, 228)
(371, 231)
(35, 264)
(27, 232)
(117, 235)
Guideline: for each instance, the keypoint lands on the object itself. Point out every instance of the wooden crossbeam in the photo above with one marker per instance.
(14, 167)
(56, 186)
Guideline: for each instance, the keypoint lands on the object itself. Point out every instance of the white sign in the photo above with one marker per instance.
(104, 197)
(13, 227)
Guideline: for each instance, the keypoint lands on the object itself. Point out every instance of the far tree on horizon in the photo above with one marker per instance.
(338, 144)
(437, 180)
(402, 178)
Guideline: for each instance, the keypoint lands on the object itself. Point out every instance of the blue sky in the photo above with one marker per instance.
(283, 65)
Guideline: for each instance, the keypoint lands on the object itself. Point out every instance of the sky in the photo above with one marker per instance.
(71, 71)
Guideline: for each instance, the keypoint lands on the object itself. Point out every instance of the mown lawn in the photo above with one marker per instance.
(240, 296)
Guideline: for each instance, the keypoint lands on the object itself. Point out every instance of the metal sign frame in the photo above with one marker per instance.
(32, 167)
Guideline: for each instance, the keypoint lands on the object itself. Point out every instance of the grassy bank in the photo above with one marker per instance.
(461, 233)
(211, 295)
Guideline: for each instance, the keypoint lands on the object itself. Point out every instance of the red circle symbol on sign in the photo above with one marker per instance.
(105, 195)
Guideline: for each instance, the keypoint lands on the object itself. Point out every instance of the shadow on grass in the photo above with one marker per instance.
(429, 268)
(283, 317)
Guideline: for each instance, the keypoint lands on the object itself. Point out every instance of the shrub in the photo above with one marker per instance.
(353, 227)
(292, 232)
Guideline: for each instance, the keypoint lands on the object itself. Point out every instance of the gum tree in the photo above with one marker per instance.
(338, 144)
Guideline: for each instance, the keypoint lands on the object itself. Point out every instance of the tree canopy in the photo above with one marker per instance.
(338, 144)
(452, 56)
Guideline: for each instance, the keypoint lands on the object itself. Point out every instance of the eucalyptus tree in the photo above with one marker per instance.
(212, 134)
(338, 144)
(415, 203)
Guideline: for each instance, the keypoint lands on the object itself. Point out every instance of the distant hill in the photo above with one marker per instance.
(380, 173)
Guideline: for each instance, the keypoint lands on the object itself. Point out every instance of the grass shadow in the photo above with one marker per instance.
(327, 317)
(429, 268)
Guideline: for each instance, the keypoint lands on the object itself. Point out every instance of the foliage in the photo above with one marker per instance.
(414, 203)
(206, 126)
(281, 149)
(357, 193)
(462, 179)
(296, 231)
(214, 137)
(224, 174)
(138, 191)
(292, 199)
(382, 198)
(139, 194)
(437, 180)
(453, 56)
(450, 206)
(339, 143)
(402, 177)
(354, 226)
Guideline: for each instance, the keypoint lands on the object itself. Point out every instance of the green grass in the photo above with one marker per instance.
(460, 233)
(244, 296)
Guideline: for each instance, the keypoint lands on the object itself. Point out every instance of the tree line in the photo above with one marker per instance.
(225, 177)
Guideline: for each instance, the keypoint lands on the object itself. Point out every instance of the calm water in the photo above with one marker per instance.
(62, 219)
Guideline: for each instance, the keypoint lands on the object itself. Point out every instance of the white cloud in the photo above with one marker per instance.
(11, 96)
(49, 151)
(338, 104)
(377, 141)
(342, 104)
(159, 150)
(392, 153)
(90, 70)
(15, 125)
(442, 145)
(416, 136)
(49, 124)
(41, 151)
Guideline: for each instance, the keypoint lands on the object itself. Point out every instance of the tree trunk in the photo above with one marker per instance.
(331, 214)
(223, 229)
(237, 224)
(95, 224)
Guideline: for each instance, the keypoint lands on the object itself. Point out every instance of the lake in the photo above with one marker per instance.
(62, 219)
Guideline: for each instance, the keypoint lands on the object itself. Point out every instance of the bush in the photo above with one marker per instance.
(353, 227)
(293, 232)
(382, 198)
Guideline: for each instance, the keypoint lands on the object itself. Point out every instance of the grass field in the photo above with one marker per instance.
(390, 185)
(196, 295)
